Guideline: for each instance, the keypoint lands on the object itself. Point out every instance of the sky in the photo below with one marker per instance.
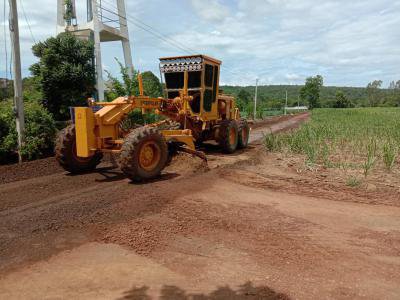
(349, 43)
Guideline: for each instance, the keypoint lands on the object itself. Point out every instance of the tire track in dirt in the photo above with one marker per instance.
(231, 223)
(38, 210)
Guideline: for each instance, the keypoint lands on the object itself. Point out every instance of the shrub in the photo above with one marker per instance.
(136, 119)
(371, 157)
(40, 131)
(272, 142)
(389, 155)
(353, 181)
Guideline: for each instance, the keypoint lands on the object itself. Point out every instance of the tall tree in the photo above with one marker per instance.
(243, 99)
(151, 84)
(244, 96)
(65, 71)
(311, 91)
(129, 86)
(342, 101)
(373, 91)
(395, 93)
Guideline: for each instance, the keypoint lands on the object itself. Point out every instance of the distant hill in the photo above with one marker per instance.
(276, 93)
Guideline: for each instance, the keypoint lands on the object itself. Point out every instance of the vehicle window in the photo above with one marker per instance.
(174, 80)
(209, 72)
(208, 99)
(215, 85)
(194, 80)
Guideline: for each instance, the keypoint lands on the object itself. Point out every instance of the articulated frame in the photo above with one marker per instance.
(100, 131)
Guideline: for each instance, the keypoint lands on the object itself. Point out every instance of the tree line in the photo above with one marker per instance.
(314, 94)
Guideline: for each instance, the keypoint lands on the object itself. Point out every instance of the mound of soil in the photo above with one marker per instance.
(26, 170)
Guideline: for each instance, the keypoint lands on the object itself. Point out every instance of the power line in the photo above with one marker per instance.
(174, 43)
(149, 29)
(27, 21)
(155, 32)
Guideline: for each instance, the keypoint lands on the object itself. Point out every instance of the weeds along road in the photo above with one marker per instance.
(239, 228)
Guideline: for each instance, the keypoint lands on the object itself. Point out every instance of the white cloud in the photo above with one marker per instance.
(291, 77)
(210, 10)
(338, 39)
(348, 42)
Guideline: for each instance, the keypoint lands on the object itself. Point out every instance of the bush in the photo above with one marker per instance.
(136, 119)
(40, 131)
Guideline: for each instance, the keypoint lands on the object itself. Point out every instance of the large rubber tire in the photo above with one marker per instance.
(66, 153)
(172, 152)
(244, 133)
(135, 160)
(228, 136)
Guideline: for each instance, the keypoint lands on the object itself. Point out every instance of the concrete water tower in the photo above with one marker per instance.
(103, 24)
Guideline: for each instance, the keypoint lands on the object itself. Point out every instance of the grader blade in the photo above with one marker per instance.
(199, 154)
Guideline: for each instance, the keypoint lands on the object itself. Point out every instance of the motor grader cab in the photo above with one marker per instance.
(203, 82)
(210, 114)
(193, 109)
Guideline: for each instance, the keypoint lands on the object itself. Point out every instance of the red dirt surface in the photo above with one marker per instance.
(26, 170)
(246, 226)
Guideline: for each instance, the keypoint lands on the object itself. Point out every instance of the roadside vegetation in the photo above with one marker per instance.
(272, 97)
(64, 76)
(40, 131)
(360, 139)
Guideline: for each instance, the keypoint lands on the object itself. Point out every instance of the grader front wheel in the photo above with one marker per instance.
(144, 154)
(66, 153)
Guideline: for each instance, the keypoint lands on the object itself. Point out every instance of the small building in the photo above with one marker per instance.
(296, 108)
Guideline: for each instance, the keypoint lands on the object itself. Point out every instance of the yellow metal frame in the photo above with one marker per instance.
(99, 131)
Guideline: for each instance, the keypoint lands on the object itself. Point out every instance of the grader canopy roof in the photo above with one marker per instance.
(185, 63)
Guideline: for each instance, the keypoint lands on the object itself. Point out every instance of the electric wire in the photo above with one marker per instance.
(27, 21)
(172, 42)
(154, 31)
(151, 31)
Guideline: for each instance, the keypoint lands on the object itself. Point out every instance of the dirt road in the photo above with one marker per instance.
(242, 227)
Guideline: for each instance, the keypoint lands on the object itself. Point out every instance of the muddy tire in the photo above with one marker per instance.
(172, 147)
(244, 133)
(66, 153)
(228, 136)
(172, 152)
(144, 154)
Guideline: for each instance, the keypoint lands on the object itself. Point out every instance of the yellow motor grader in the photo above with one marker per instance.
(194, 112)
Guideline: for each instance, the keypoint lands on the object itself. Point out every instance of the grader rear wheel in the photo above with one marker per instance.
(144, 154)
(244, 133)
(66, 153)
(228, 136)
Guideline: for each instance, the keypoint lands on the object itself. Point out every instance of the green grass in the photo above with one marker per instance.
(353, 182)
(361, 136)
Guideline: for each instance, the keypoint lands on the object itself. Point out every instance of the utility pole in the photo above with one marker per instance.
(18, 99)
(255, 100)
(286, 102)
